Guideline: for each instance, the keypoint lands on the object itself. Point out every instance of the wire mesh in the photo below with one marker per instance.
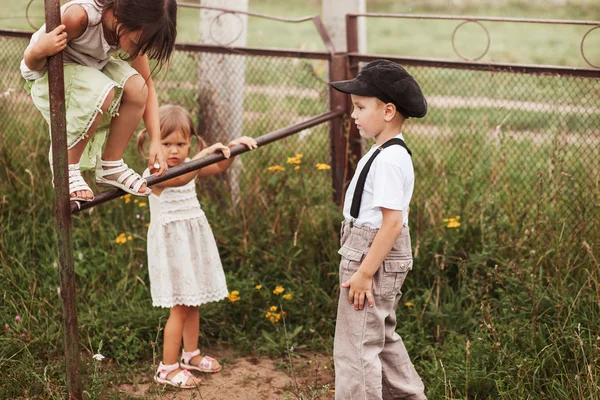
(228, 95)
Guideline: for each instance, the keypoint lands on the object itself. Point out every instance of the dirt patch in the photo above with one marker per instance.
(251, 378)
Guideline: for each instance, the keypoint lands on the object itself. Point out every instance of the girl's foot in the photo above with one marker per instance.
(175, 376)
(78, 189)
(118, 174)
(195, 361)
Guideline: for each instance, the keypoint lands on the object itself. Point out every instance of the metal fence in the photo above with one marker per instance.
(526, 135)
(505, 125)
(278, 91)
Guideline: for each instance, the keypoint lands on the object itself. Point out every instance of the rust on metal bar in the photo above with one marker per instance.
(213, 158)
(478, 18)
(58, 129)
(252, 51)
(355, 58)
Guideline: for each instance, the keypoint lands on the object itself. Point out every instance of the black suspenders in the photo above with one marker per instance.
(360, 184)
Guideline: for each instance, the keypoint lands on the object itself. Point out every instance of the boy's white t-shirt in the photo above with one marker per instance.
(390, 184)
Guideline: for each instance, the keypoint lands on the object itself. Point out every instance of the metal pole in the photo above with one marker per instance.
(58, 131)
(338, 141)
(355, 142)
(214, 158)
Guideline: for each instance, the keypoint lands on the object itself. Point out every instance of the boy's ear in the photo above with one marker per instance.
(389, 112)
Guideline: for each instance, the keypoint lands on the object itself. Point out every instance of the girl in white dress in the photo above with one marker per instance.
(183, 261)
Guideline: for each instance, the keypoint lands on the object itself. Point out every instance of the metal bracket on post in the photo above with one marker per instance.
(58, 129)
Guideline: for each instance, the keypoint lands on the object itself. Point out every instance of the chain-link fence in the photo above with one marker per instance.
(228, 95)
(525, 138)
(528, 135)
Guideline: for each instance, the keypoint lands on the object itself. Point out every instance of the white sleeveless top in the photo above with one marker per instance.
(90, 49)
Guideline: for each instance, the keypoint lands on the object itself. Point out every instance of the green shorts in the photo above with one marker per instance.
(86, 89)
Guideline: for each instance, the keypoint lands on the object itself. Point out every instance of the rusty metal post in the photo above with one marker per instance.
(337, 136)
(62, 205)
(355, 141)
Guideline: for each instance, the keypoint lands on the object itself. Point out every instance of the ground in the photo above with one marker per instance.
(252, 378)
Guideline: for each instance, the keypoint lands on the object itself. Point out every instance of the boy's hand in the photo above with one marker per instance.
(246, 141)
(360, 286)
(52, 42)
(219, 147)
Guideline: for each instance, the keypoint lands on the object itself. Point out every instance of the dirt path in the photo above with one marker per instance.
(252, 378)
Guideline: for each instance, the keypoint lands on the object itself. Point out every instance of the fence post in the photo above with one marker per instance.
(352, 40)
(337, 135)
(62, 206)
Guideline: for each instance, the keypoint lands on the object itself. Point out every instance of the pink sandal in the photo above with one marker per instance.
(205, 364)
(180, 380)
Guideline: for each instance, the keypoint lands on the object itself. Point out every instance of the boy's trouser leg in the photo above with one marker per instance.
(400, 379)
(355, 352)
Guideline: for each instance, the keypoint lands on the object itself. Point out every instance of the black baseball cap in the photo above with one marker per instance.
(390, 83)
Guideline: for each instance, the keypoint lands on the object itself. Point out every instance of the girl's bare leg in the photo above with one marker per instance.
(191, 331)
(131, 110)
(172, 338)
(74, 153)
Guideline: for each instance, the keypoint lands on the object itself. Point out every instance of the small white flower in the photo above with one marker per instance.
(98, 357)
(80, 256)
(58, 290)
(55, 265)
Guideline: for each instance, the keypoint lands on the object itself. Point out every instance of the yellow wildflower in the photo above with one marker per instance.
(296, 168)
(233, 296)
(127, 198)
(273, 317)
(278, 290)
(121, 239)
(408, 304)
(322, 166)
(294, 160)
(143, 204)
(258, 287)
(452, 222)
(136, 201)
(273, 308)
(287, 296)
(129, 237)
(275, 168)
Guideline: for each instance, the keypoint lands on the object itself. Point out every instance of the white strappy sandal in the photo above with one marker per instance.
(128, 180)
(180, 380)
(206, 364)
(77, 184)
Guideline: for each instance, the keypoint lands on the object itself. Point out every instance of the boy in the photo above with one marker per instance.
(371, 361)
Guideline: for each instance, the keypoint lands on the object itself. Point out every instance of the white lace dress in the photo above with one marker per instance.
(183, 260)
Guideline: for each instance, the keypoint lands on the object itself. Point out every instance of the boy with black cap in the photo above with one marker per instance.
(371, 361)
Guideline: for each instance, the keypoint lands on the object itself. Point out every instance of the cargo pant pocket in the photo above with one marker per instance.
(394, 274)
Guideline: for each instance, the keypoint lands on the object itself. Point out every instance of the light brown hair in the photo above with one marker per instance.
(171, 118)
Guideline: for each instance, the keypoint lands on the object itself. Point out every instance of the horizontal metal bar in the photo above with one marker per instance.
(252, 51)
(15, 33)
(478, 18)
(441, 63)
(211, 159)
(249, 13)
